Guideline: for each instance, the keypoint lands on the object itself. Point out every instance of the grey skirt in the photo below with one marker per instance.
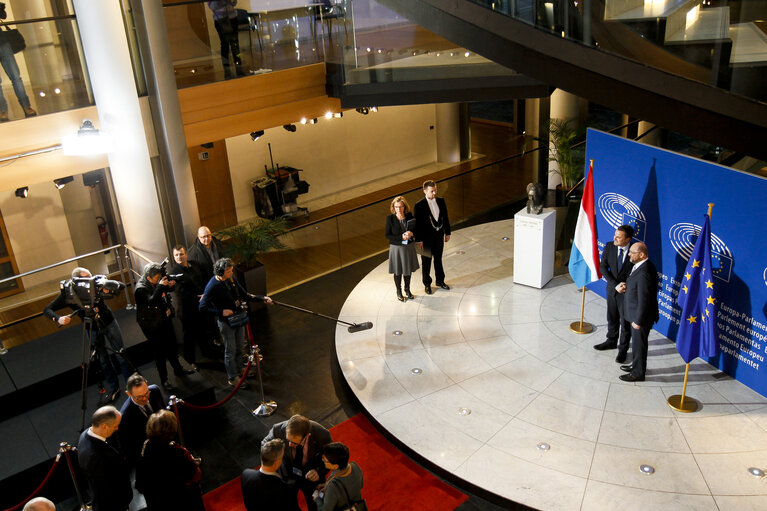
(403, 259)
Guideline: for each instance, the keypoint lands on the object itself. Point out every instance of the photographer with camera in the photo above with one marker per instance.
(154, 313)
(225, 298)
(85, 294)
(190, 284)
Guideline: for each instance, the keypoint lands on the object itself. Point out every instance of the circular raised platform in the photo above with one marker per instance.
(488, 382)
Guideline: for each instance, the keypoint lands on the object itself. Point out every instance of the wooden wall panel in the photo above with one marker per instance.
(213, 186)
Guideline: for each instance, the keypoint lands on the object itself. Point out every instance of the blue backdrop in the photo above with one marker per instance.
(665, 195)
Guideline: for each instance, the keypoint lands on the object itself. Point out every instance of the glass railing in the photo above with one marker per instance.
(373, 44)
(49, 74)
(261, 36)
(344, 239)
(721, 43)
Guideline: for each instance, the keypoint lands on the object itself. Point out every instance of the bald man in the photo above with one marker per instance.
(39, 504)
(205, 251)
(640, 309)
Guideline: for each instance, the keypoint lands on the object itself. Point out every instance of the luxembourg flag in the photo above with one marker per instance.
(584, 256)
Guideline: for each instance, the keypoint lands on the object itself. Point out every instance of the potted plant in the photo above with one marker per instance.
(245, 242)
(563, 134)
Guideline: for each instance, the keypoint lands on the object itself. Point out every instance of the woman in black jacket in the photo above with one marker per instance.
(402, 257)
(167, 474)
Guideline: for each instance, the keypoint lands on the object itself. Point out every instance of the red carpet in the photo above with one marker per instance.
(392, 480)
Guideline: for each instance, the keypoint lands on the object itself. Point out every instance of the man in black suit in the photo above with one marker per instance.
(205, 251)
(264, 488)
(615, 267)
(640, 308)
(302, 463)
(105, 468)
(432, 230)
(143, 400)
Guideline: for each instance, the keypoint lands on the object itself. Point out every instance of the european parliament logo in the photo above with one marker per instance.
(619, 210)
(683, 236)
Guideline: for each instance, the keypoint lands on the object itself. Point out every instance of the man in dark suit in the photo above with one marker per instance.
(105, 468)
(302, 463)
(143, 400)
(615, 267)
(640, 308)
(432, 231)
(205, 251)
(264, 488)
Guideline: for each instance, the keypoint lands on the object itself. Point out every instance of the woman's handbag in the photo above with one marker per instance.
(237, 319)
(352, 505)
(14, 38)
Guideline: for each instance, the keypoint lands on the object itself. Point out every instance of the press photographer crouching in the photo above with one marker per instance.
(226, 298)
(154, 313)
(85, 295)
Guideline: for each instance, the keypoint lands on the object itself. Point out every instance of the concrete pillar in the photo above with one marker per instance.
(106, 51)
(448, 132)
(180, 206)
(652, 137)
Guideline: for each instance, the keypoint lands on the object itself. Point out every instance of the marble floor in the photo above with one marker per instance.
(486, 381)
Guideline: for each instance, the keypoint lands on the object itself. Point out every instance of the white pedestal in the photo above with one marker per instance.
(534, 247)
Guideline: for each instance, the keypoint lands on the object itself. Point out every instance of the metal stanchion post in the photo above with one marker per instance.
(66, 449)
(264, 409)
(173, 402)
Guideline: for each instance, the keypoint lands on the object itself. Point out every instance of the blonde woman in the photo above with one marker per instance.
(402, 257)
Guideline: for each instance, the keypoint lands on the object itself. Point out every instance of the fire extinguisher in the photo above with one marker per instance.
(103, 233)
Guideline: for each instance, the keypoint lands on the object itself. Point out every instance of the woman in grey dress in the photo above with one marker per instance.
(402, 257)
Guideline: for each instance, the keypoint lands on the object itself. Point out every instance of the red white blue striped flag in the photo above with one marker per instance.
(584, 256)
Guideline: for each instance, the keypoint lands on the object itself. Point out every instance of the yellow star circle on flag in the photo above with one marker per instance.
(692, 319)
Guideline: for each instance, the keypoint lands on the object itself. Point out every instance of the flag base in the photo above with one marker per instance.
(581, 328)
(689, 405)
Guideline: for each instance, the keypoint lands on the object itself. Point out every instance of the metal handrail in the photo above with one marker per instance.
(70, 260)
(132, 273)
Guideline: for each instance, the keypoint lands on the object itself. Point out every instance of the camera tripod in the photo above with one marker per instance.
(96, 349)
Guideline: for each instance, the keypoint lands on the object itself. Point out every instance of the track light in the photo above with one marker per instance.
(22, 192)
(373, 108)
(363, 110)
(290, 127)
(328, 115)
(256, 135)
(62, 182)
(338, 115)
(303, 120)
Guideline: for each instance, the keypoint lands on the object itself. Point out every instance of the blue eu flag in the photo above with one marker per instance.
(697, 336)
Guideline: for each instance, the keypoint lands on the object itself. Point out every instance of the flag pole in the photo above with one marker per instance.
(677, 401)
(579, 327)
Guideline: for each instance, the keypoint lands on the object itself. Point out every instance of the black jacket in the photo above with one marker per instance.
(319, 438)
(153, 305)
(608, 266)
(107, 473)
(394, 229)
(189, 287)
(427, 227)
(640, 305)
(199, 254)
(64, 300)
(263, 491)
(132, 431)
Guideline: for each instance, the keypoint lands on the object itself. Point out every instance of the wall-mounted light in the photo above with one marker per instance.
(328, 115)
(62, 182)
(303, 120)
(207, 145)
(256, 135)
(22, 192)
(313, 121)
(363, 110)
(290, 127)
(88, 140)
(338, 115)
(373, 108)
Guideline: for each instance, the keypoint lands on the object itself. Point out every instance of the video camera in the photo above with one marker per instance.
(171, 276)
(87, 290)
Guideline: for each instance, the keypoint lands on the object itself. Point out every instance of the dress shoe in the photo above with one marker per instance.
(627, 368)
(428, 290)
(621, 357)
(400, 297)
(409, 295)
(166, 385)
(194, 368)
(112, 397)
(29, 112)
(607, 345)
(231, 382)
(183, 372)
(444, 286)
(631, 377)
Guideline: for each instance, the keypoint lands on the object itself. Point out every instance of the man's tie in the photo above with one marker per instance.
(620, 258)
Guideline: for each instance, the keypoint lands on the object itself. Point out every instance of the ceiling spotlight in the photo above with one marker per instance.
(373, 108)
(256, 135)
(22, 192)
(207, 145)
(328, 115)
(338, 115)
(290, 127)
(363, 110)
(313, 121)
(62, 182)
(303, 120)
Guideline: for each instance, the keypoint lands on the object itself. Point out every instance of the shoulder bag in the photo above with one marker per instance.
(351, 505)
(13, 37)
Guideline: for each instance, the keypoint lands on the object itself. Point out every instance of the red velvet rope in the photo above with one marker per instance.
(38, 489)
(236, 388)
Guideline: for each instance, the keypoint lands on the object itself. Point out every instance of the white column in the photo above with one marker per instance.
(564, 106)
(106, 52)
(652, 138)
(448, 132)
